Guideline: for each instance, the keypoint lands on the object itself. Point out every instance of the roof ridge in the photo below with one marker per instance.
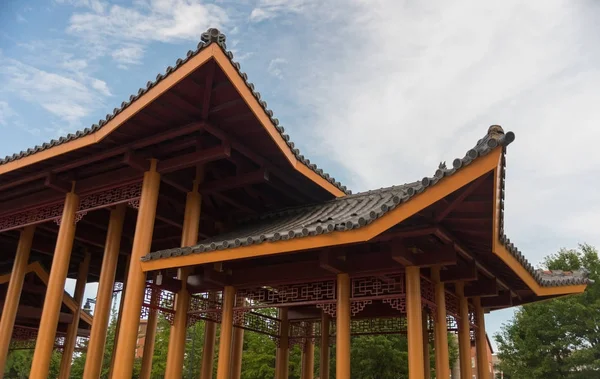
(494, 137)
(289, 223)
(212, 35)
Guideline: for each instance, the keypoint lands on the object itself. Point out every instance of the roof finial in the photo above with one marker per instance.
(213, 35)
(495, 131)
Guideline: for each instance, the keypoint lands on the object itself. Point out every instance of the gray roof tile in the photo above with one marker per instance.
(212, 35)
(355, 211)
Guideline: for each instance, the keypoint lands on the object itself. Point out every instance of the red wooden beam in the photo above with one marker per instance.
(459, 199)
(57, 184)
(257, 158)
(328, 261)
(208, 87)
(243, 180)
(136, 161)
(461, 272)
(193, 159)
(483, 287)
(91, 158)
(503, 300)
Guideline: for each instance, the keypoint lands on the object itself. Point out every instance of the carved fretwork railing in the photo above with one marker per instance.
(24, 338)
(159, 300)
(129, 194)
(388, 289)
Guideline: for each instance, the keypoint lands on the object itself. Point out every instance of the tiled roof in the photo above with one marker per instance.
(552, 278)
(344, 213)
(212, 35)
(356, 211)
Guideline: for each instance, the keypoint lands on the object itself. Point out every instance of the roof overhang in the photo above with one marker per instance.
(37, 269)
(213, 51)
(491, 163)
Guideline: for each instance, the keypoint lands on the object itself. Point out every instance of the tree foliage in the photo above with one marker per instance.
(559, 338)
(372, 357)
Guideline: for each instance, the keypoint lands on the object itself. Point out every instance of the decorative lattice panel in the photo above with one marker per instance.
(378, 287)
(297, 294)
(160, 300)
(125, 194)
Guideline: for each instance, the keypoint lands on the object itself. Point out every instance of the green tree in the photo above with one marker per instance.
(559, 338)
(18, 364)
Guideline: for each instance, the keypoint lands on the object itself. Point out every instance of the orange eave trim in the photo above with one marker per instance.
(446, 186)
(213, 51)
(502, 252)
(68, 300)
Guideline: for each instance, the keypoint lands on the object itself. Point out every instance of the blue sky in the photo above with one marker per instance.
(376, 92)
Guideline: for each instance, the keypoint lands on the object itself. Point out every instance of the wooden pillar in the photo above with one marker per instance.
(13, 293)
(136, 279)
(342, 361)
(149, 339)
(283, 352)
(414, 321)
(442, 359)
(71, 337)
(464, 335)
(208, 352)
(189, 237)
(236, 353)
(56, 287)
(308, 358)
(425, 327)
(483, 365)
(118, 326)
(95, 350)
(224, 363)
(324, 361)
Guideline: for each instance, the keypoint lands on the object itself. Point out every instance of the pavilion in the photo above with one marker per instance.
(191, 199)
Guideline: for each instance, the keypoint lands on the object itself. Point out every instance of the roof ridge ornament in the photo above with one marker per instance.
(495, 131)
(213, 35)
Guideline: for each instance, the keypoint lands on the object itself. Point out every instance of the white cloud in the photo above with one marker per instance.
(268, 9)
(128, 55)
(97, 6)
(391, 88)
(69, 97)
(123, 31)
(395, 89)
(100, 86)
(6, 112)
(275, 67)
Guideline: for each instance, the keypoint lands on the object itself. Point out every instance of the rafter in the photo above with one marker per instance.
(208, 88)
(459, 199)
(232, 182)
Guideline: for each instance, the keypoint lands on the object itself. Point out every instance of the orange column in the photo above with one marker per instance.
(236, 353)
(324, 362)
(442, 360)
(13, 293)
(189, 237)
(119, 316)
(226, 333)
(283, 352)
(308, 358)
(95, 350)
(425, 327)
(483, 365)
(342, 362)
(464, 335)
(208, 352)
(136, 279)
(71, 337)
(55, 289)
(416, 363)
(149, 339)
